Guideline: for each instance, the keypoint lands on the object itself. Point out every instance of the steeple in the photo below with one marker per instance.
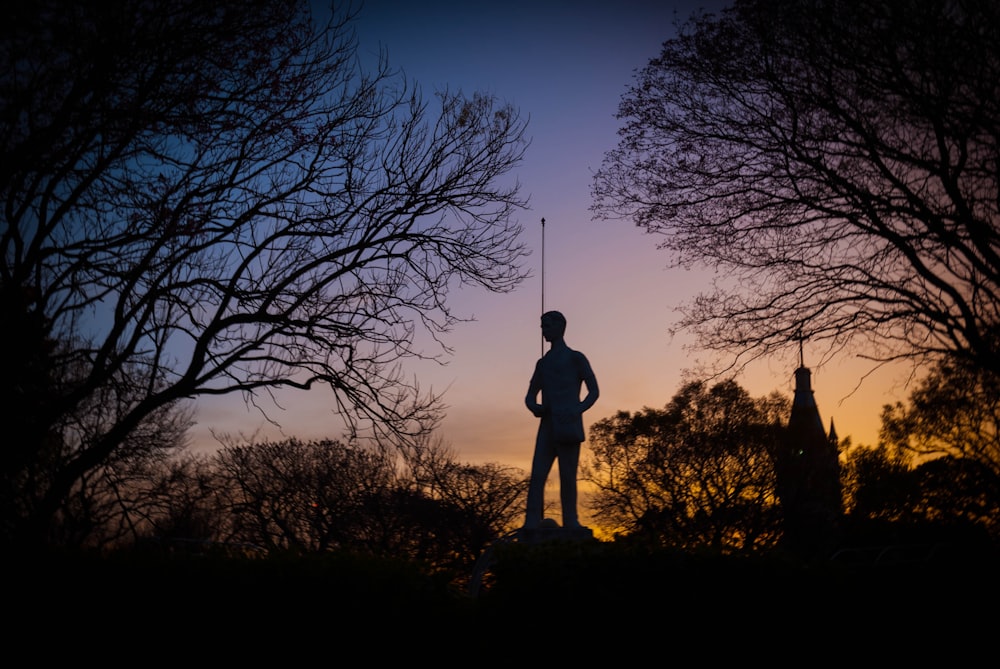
(805, 421)
(808, 471)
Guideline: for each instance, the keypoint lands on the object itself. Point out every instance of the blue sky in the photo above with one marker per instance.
(565, 65)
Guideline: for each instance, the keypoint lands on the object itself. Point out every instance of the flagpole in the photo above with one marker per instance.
(543, 280)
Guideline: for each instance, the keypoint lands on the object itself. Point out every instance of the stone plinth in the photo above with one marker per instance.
(547, 532)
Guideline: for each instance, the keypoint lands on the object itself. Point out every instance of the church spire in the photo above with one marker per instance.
(808, 470)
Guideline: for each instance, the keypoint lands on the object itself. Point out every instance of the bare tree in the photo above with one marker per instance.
(837, 163)
(105, 506)
(180, 506)
(492, 493)
(327, 496)
(213, 198)
(303, 497)
(125, 498)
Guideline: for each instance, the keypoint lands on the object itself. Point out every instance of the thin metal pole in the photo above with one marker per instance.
(543, 280)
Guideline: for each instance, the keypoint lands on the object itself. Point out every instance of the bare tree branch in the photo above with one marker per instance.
(203, 199)
(836, 164)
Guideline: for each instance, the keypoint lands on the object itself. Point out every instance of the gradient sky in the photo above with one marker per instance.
(565, 65)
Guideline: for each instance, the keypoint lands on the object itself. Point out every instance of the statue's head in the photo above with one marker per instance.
(555, 323)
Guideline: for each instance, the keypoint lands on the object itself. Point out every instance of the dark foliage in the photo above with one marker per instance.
(554, 601)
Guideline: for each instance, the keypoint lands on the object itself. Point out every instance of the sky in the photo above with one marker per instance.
(565, 66)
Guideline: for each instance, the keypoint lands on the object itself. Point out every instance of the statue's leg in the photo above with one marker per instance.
(541, 465)
(569, 459)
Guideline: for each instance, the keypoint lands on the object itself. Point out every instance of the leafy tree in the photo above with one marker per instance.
(891, 497)
(959, 492)
(211, 198)
(836, 162)
(697, 473)
(949, 431)
(954, 410)
(877, 483)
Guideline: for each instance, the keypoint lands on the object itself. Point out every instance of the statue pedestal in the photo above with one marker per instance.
(546, 532)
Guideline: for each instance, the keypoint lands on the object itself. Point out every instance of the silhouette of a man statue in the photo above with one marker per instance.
(558, 378)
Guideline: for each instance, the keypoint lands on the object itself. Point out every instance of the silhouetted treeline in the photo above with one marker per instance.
(294, 498)
(703, 473)
(699, 476)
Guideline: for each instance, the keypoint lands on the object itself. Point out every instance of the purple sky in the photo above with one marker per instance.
(565, 65)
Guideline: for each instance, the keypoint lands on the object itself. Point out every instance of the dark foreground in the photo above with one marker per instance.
(582, 603)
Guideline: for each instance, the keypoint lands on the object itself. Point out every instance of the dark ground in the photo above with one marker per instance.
(590, 602)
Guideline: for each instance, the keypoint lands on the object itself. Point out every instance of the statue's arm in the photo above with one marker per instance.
(590, 381)
(531, 399)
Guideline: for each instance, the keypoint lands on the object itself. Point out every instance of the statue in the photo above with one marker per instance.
(558, 376)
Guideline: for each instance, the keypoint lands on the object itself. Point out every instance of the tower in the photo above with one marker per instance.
(808, 474)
